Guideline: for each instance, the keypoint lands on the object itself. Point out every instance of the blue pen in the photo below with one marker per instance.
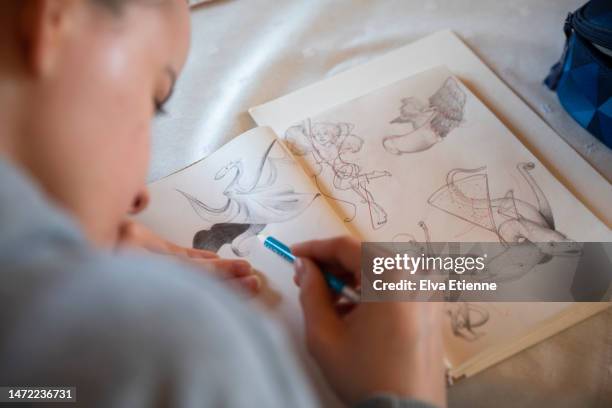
(332, 280)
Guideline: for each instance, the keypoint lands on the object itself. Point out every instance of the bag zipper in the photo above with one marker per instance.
(595, 34)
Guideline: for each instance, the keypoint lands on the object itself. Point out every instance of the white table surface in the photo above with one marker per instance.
(238, 49)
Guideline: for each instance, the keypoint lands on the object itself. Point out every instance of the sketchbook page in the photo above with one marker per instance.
(424, 159)
(252, 185)
(445, 48)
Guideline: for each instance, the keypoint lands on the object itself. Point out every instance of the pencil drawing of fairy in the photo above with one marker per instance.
(431, 122)
(327, 144)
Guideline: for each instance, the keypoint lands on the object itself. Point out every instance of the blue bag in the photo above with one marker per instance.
(583, 76)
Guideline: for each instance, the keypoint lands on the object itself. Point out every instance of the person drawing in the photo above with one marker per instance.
(84, 304)
(327, 143)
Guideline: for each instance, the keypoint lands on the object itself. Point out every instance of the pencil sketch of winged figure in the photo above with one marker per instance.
(429, 122)
(327, 144)
(250, 204)
(526, 230)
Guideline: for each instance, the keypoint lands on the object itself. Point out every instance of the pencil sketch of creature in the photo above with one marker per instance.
(527, 231)
(250, 205)
(465, 318)
(426, 248)
(326, 144)
(429, 122)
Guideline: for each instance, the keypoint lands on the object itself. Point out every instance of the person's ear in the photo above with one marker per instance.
(44, 26)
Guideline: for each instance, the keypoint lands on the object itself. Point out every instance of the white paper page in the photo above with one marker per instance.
(236, 193)
(381, 160)
(242, 185)
(423, 158)
(445, 48)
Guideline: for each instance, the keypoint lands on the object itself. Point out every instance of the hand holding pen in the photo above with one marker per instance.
(372, 346)
(335, 283)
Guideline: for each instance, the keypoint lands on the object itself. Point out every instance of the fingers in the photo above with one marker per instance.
(237, 272)
(134, 234)
(322, 324)
(190, 252)
(250, 284)
(344, 251)
(224, 268)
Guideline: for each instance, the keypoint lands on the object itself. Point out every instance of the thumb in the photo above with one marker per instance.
(320, 317)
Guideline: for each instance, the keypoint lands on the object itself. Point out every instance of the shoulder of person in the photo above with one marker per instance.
(145, 318)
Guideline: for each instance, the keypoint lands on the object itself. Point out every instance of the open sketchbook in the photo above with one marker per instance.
(385, 166)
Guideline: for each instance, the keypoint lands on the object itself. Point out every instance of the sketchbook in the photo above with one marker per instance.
(418, 158)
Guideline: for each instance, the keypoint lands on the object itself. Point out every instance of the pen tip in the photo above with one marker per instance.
(261, 237)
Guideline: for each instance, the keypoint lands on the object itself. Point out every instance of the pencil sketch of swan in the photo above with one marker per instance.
(527, 231)
(430, 123)
(249, 204)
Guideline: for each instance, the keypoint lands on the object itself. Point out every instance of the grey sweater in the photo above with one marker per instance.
(129, 330)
